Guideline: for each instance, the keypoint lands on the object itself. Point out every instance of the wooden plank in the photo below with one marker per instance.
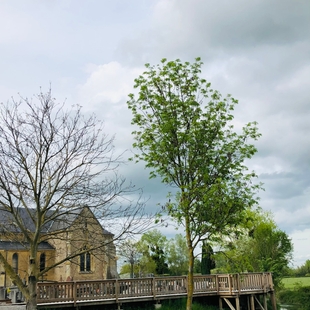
(237, 303)
(265, 301)
(260, 305)
(229, 304)
(252, 302)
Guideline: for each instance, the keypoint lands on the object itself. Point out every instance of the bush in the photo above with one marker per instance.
(300, 296)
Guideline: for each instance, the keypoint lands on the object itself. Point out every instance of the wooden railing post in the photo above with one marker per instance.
(117, 290)
(186, 283)
(230, 283)
(153, 287)
(238, 283)
(74, 292)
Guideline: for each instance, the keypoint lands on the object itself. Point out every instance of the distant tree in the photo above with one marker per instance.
(153, 245)
(263, 247)
(129, 251)
(303, 270)
(207, 259)
(177, 255)
(307, 266)
(197, 265)
(53, 162)
(185, 135)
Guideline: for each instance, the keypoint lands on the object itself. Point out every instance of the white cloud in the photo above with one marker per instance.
(108, 83)
(301, 239)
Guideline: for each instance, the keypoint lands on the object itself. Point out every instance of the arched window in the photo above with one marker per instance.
(15, 262)
(42, 261)
(82, 262)
(85, 262)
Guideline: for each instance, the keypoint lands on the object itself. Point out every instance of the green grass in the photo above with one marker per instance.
(290, 283)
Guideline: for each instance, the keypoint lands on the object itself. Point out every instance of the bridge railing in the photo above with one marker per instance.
(151, 287)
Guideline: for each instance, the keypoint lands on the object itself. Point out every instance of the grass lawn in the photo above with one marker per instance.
(292, 282)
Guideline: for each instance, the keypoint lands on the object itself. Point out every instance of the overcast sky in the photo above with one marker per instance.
(258, 51)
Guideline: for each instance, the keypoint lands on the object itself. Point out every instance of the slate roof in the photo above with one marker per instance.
(61, 222)
(14, 245)
(7, 221)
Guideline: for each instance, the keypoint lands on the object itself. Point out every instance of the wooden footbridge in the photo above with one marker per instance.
(251, 290)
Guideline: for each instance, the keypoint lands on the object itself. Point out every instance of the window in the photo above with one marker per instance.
(15, 262)
(42, 261)
(85, 262)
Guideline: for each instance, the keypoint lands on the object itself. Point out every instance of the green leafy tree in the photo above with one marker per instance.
(272, 250)
(303, 270)
(262, 247)
(197, 265)
(207, 259)
(185, 135)
(152, 246)
(177, 255)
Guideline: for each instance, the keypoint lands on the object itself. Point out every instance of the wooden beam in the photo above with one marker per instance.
(265, 301)
(252, 302)
(220, 304)
(229, 304)
(273, 300)
(237, 303)
(262, 308)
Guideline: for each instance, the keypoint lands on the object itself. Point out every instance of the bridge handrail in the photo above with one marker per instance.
(155, 287)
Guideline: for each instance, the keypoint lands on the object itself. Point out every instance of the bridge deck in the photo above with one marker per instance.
(111, 291)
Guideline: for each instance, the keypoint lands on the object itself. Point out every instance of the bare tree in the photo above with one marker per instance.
(129, 251)
(56, 164)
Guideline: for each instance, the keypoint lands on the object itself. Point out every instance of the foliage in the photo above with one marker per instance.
(177, 255)
(53, 163)
(299, 296)
(171, 304)
(178, 304)
(154, 253)
(197, 265)
(303, 270)
(207, 259)
(185, 135)
(153, 245)
(261, 247)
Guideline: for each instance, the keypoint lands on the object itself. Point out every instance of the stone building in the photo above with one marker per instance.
(77, 235)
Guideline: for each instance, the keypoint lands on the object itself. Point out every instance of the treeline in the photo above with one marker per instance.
(301, 271)
(258, 246)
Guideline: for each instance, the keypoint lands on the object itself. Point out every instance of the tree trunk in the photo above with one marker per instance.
(32, 300)
(190, 279)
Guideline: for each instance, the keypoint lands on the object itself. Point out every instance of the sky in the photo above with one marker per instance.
(89, 52)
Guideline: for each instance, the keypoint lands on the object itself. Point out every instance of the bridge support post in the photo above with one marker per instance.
(273, 300)
(265, 301)
(220, 303)
(119, 306)
(252, 302)
(237, 303)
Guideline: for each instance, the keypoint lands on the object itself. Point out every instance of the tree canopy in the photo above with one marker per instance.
(185, 135)
(261, 247)
(155, 254)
